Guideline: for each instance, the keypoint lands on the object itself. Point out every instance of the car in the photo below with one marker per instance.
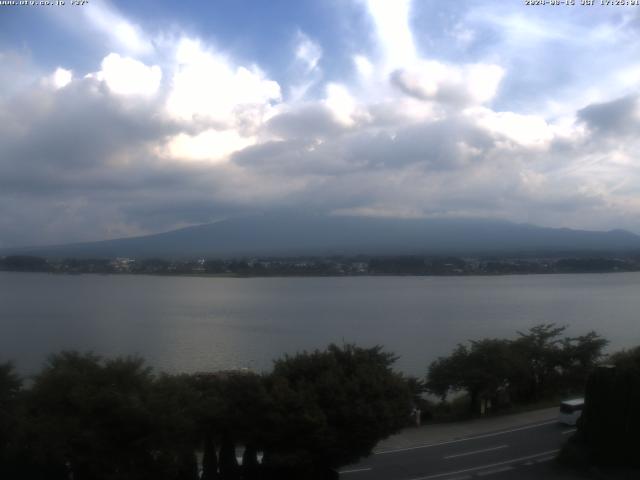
(570, 411)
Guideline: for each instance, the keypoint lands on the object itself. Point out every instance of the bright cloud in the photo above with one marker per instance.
(122, 34)
(206, 87)
(126, 76)
(61, 77)
(211, 145)
(396, 42)
(525, 130)
(341, 103)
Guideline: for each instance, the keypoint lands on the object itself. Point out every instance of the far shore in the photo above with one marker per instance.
(328, 275)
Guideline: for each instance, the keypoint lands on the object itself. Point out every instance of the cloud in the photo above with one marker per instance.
(148, 139)
(432, 80)
(395, 41)
(122, 34)
(65, 139)
(211, 145)
(127, 76)
(61, 77)
(525, 130)
(305, 121)
(308, 52)
(17, 72)
(364, 66)
(341, 104)
(207, 89)
(617, 118)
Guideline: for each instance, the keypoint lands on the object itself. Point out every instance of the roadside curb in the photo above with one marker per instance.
(441, 433)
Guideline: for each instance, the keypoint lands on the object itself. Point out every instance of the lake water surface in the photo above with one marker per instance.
(186, 324)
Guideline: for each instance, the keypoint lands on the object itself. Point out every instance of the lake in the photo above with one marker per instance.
(187, 324)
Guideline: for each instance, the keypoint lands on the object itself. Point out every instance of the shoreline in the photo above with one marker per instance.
(367, 275)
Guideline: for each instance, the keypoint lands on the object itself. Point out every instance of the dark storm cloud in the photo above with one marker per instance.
(619, 117)
(307, 122)
(292, 157)
(80, 163)
(183, 208)
(435, 145)
(78, 127)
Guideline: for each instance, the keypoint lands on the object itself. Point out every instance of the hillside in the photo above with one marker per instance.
(281, 235)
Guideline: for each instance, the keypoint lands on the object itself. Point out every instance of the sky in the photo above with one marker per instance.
(126, 118)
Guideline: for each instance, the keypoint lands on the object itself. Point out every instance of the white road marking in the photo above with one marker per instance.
(476, 451)
(484, 467)
(355, 470)
(567, 432)
(487, 435)
(545, 459)
(494, 471)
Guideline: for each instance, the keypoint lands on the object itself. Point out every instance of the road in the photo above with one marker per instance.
(520, 452)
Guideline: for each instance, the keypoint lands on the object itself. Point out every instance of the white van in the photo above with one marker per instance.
(570, 411)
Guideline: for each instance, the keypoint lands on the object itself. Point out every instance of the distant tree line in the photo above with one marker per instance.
(496, 373)
(87, 418)
(24, 263)
(325, 266)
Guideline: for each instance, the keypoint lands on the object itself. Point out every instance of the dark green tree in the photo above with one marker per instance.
(628, 359)
(482, 370)
(209, 417)
(229, 414)
(173, 404)
(445, 373)
(10, 390)
(537, 364)
(330, 408)
(209, 458)
(537, 361)
(242, 420)
(580, 355)
(24, 263)
(91, 417)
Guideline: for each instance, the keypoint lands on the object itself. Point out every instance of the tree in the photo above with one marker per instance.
(244, 404)
(330, 408)
(628, 359)
(488, 371)
(229, 412)
(536, 364)
(173, 406)
(91, 418)
(445, 373)
(208, 408)
(537, 360)
(482, 370)
(209, 458)
(580, 355)
(24, 263)
(10, 389)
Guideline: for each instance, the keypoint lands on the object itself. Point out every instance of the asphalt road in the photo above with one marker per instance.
(523, 452)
